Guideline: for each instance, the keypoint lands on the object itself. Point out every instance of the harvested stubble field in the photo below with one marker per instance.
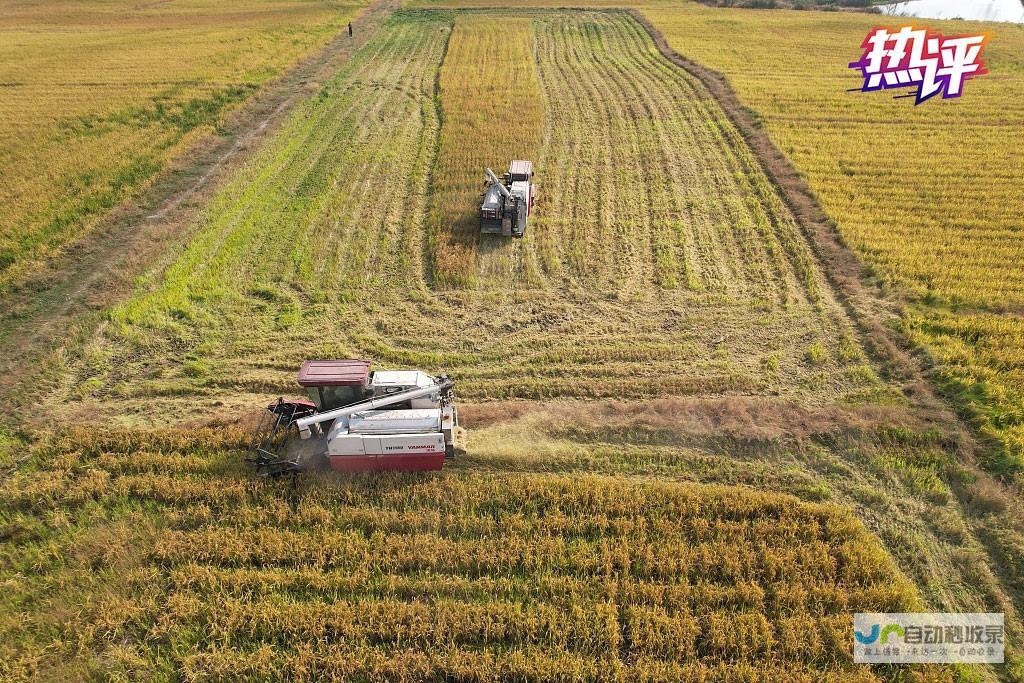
(99, 96)
(663, 262)
(723, 531)
(929, 197)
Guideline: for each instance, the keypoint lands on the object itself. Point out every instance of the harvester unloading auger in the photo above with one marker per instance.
(360, 421)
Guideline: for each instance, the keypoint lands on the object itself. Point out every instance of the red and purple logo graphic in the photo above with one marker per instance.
(922, 59)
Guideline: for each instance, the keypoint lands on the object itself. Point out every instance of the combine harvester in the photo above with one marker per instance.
(360, 421)
(507, 203)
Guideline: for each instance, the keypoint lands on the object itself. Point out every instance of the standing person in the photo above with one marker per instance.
(350, 29)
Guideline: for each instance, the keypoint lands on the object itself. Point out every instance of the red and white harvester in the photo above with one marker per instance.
(360, 421)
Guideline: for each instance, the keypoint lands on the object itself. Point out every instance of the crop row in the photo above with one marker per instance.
(703, 597)
(471, 524)
(929, 195)
(553, 503)
(587, 628)
(509, 555)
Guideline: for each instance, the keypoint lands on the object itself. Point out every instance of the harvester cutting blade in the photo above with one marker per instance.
(269, 452)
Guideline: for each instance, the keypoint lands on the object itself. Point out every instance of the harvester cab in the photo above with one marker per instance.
(508, 201)
(360, 421)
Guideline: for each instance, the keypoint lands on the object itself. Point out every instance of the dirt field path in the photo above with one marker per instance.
(101, 269)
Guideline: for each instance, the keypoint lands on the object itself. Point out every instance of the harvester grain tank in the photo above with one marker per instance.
(508, 201)
(360, 421)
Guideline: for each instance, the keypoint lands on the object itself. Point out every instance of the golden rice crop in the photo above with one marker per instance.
(421, 577)
(493, 113)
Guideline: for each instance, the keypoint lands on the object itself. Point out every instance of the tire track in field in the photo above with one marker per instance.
(350, 129)
(533, 255)
(651, 154)
(718, 176)
(636, 262)
(405, 241)
(717, 251)
(298, 168)
(606, 227)
(553, 213)
(623, 227)
(351, 226)
(741, 167)
(604, 89)
(709, 160)
(309, 258)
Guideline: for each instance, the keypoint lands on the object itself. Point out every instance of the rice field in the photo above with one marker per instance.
(663, 541)
(930, 196)
(186, 568)
(98, 97)
(682, 463)
(674, 269)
